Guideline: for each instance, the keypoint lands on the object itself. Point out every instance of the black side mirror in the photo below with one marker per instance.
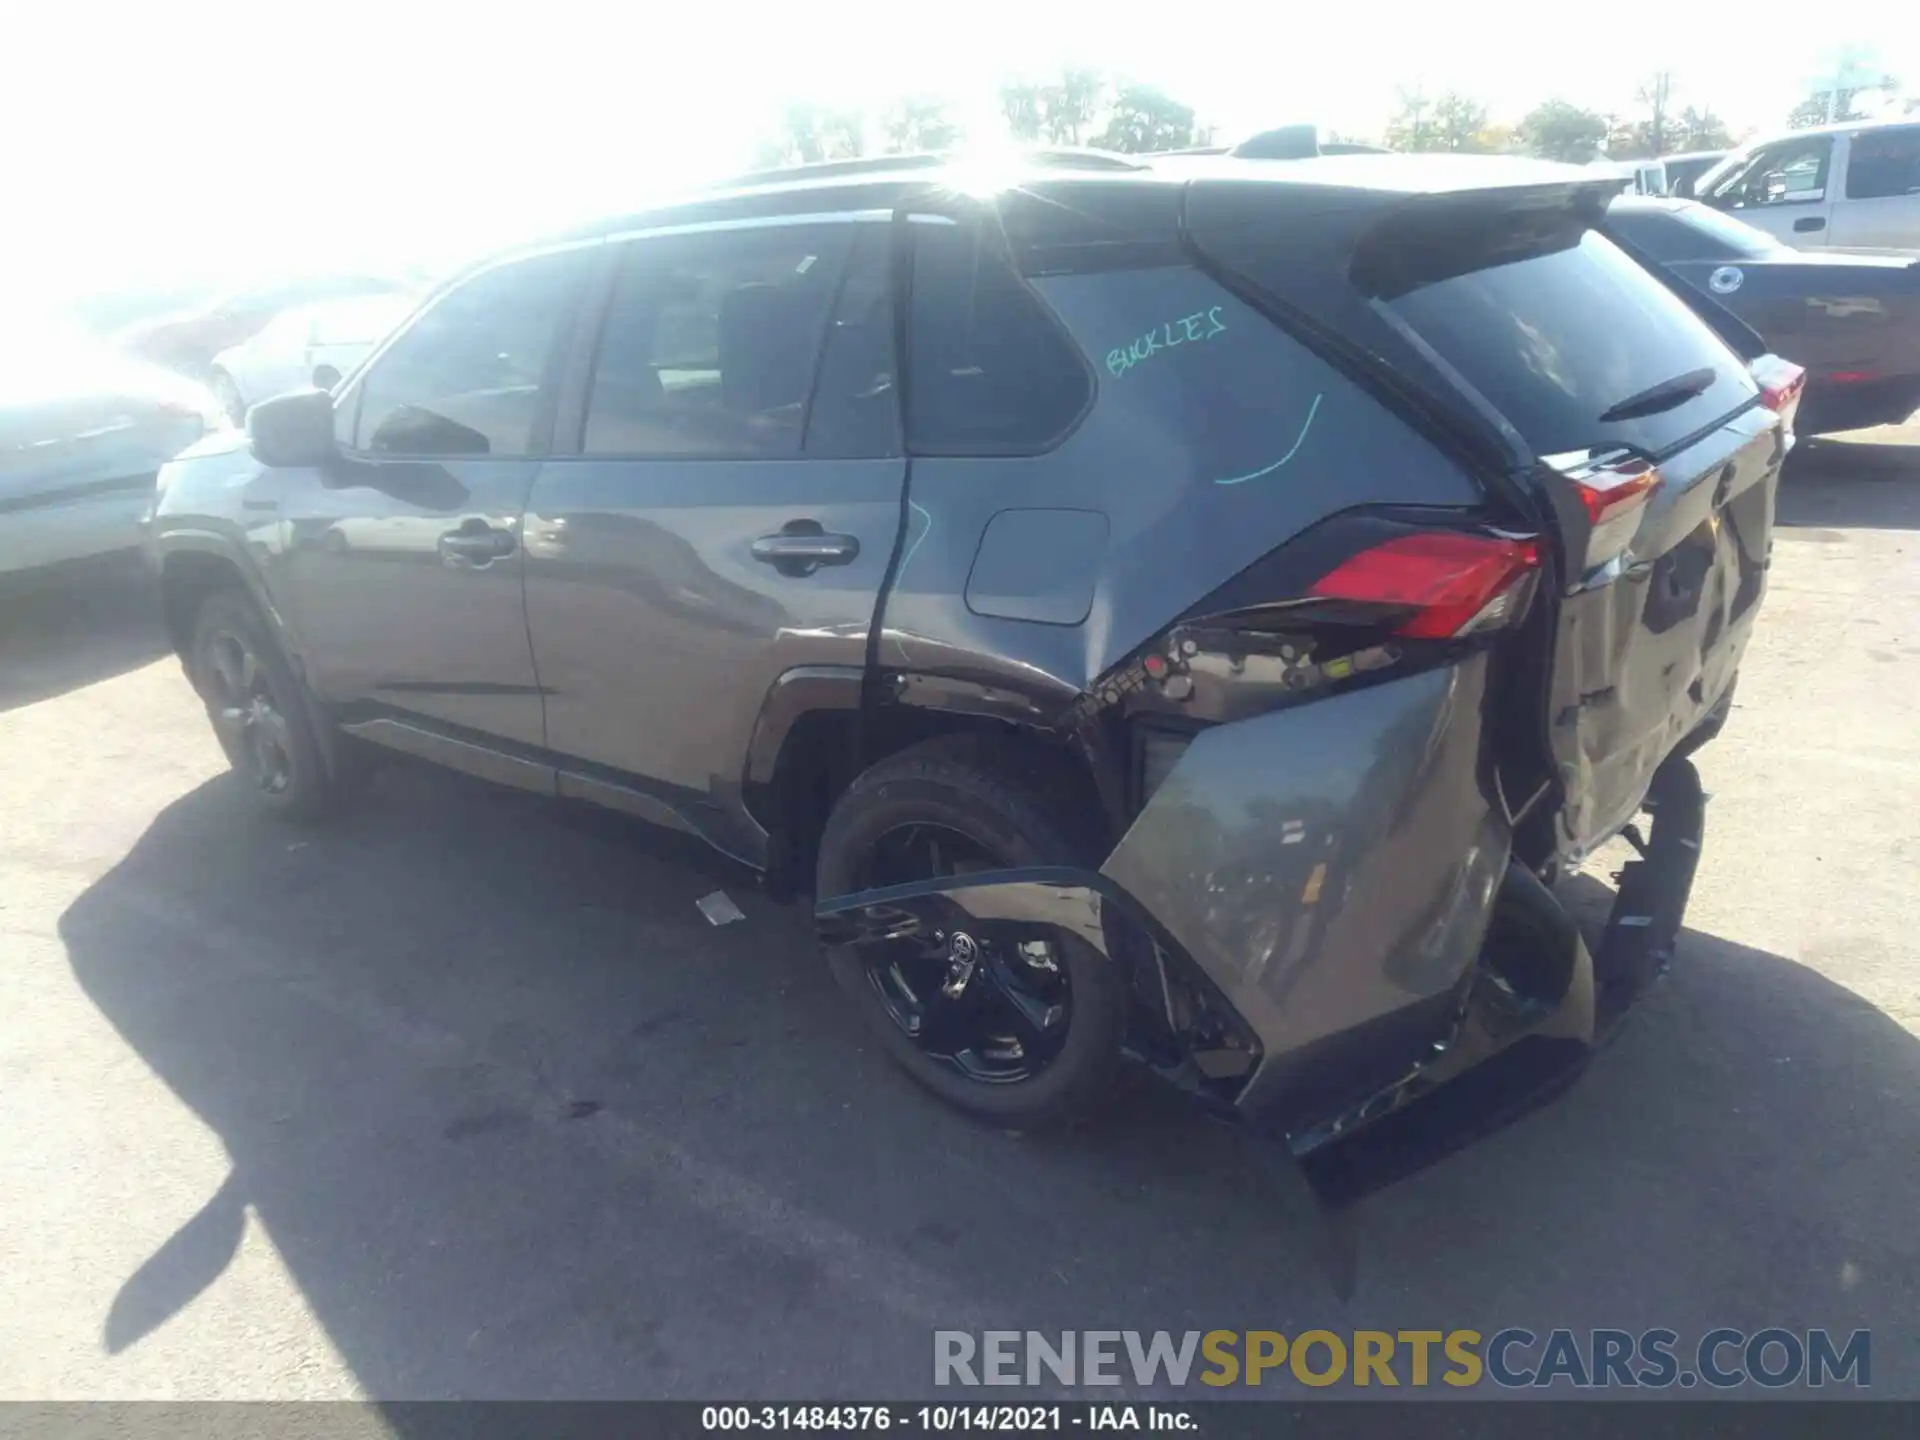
(294, 429)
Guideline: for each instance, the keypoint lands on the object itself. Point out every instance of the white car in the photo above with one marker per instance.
(1854, 186)
(312, 345)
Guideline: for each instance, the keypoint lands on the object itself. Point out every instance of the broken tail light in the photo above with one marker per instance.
(1613, 488)
(1450, 583)
(1781, 384)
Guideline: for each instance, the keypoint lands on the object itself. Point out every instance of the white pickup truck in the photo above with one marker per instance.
(1851, 186)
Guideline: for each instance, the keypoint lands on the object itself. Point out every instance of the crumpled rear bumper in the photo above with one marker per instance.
(1334, 882)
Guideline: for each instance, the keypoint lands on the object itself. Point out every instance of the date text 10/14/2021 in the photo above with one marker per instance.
(950, 1419)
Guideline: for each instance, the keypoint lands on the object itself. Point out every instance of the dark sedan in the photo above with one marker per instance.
(1852, 318)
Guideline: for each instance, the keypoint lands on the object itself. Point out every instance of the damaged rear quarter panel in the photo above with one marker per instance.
(1222, 441)
(1328, 864)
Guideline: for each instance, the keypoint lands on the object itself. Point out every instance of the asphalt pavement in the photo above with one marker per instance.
(463, 1097)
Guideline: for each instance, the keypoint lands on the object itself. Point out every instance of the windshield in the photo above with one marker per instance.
(1704, 184)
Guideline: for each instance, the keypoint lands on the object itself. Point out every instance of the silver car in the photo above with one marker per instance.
(83, 431)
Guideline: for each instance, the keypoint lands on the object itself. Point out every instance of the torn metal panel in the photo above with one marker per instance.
(1329, 865)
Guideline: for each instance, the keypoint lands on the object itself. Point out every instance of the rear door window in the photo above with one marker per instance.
(990, 372)
(710, 344)
(1884, 163)
(1562, 330)
(855, 413)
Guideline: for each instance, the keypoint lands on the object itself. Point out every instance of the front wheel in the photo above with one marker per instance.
(258, 708)
(1024, 1034)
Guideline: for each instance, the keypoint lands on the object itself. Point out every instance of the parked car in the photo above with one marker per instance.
(1642, 177)
(1204, 640)
(188, 340)
(1851, 319)
(313, 345)
(1851, 185)
(83, 431)
(1682, 170)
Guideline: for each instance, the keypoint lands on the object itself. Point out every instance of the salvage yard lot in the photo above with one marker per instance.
(463, 1097)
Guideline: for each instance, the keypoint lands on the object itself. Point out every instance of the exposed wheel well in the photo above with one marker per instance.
(186, 579)
(827, 749)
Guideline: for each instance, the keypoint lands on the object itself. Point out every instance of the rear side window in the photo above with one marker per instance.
(1561, 330)
(1883, 163)
(466, 377)
(989, 370)
(711, 342)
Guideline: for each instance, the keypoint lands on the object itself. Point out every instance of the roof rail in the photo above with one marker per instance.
(1050, 157)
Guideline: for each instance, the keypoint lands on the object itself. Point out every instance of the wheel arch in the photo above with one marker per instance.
(820, 727)
(194, 565)
(192, 568)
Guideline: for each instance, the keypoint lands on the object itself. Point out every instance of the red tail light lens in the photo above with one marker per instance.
(1610, 492)
(1780, 382)
(1611, 488)
(1455, 583)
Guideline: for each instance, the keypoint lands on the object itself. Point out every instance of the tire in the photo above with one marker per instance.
(260, 711)
(996, 796)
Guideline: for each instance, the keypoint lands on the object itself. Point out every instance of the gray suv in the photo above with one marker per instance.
(1188, 613)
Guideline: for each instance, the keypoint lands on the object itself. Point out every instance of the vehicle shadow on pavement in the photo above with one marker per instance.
(1844, 483)
(82, 624)
(521, 1124)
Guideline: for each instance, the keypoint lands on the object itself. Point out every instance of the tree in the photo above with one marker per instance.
(810, 133)
(1824, 106)
(1557, 130)
(1144, 119)
(1449, 122)
(1459, 124)
(1408, 128)
(1020, 107)
(1848, 72)
(1060, 111)
(1656, 93)
(1701, 130)
(918, 122)
(1067, 106)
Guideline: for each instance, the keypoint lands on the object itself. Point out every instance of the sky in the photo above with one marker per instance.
(161, 140)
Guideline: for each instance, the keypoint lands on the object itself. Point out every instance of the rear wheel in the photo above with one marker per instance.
(258, 708)
(1023, 1031)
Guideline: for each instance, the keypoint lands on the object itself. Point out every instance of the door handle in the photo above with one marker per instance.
(475, 544)
(801, 547)
(1809, 223)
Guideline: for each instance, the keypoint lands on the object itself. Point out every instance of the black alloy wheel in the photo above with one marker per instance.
(247, 716)
(995, 1012)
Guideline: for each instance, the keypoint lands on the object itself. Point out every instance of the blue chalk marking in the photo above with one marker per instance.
(914, 547)
(1298, 441)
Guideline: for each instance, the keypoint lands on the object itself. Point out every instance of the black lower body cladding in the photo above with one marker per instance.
(1340, 875)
